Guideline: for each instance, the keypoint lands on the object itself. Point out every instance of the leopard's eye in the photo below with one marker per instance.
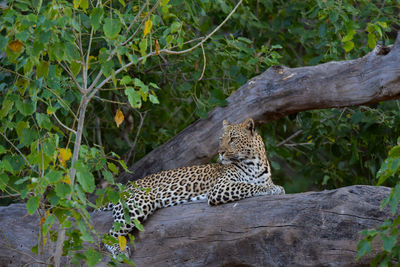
(232, 139)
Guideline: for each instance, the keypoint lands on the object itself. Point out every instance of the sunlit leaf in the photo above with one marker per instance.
(32, 204)
(119, 117)
(122, 242)
(15, 46)
(348, 46)
(64, 156)
(147, 27)
(111, 27)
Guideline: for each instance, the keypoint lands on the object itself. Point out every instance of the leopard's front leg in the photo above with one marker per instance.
(228, 191)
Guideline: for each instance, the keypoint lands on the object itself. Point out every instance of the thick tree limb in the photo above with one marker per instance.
(277, 92)
(307, 229)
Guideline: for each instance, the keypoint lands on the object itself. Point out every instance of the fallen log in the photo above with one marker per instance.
(306, 229)
(277, 92)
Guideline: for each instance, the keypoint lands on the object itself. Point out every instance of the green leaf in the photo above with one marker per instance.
(43, 69)
(108, 176)
(133, 97)
(143, 46)
(43, 121)
(92, 257)
(112, 167)
(32, 204)
(394, 152)
(5, 165)
(371, 40)
(54, 176)
(86, 236)
(3, 181)
(138, 225)
(388, 242)
(348, 46)
(47, 224)
(349, 36)
(6, 107)
(175, 26)
(363, 247)
(71, 52)
(44, 36)
(37, 49)
(75, 67)
(62, 189)
(96, 16)
(86, 180)
(125, 80)
(28, 136)
(154, 99)
(124, 165)
(394, 198)
(113, 196)
(111, 27)
(107, 67)
(84, 4)
(59, 50)
(26, 109)
(2, 150)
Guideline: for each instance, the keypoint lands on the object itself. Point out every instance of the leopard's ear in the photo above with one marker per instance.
(249, 124)
(225, 123)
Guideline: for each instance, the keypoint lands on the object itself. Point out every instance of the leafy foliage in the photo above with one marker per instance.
(389, 230)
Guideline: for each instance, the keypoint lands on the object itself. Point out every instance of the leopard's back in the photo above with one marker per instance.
(172, 187)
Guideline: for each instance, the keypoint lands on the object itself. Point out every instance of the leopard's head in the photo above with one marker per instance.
(240, 142)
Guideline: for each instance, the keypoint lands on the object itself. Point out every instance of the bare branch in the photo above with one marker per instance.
(204, 64)
(63, 125)
(69, 72)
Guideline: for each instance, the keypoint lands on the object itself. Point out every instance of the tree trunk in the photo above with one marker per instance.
(307, 229)
(277, 92)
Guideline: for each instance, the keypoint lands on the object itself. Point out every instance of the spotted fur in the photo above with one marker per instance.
(243, 171)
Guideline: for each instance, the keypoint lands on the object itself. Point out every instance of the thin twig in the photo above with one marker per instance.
(63, 125)
(98, 132)
(10, 195)
(110, 101)
(16, 148)
(69, 72)
(133, 22)
(142, 117)
(87, 59)
(141, 23)
(204, 62)
(290, 138)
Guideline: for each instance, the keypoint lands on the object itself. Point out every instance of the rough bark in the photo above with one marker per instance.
(307, 229)
(277, 92)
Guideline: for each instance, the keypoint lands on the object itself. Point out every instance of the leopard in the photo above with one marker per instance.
(243, 171)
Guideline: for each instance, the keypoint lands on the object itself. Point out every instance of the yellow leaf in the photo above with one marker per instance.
(43, 219)
(66, 179)
(157, 47)
(122, 242)
(64, 156)
(49, 112)
(77, 3)
(119, 117)
(147, 27)
(15, 46)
